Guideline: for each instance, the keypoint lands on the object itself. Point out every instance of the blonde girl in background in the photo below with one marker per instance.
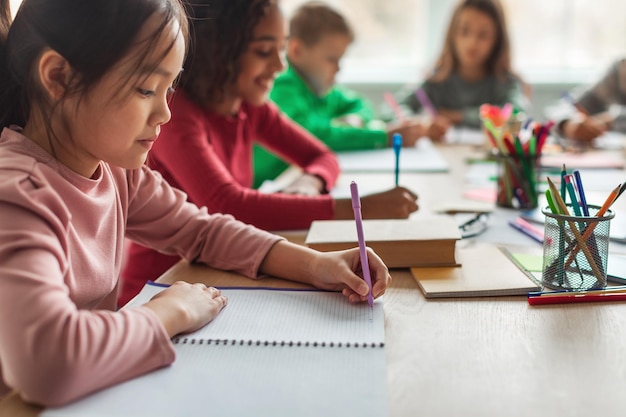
(474, 68)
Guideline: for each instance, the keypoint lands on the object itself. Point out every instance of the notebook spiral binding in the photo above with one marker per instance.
(224, 342)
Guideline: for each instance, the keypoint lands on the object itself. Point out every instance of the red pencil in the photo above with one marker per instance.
(578, 298)
(543, 135)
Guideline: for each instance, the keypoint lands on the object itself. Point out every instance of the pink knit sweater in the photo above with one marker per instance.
(61, 247)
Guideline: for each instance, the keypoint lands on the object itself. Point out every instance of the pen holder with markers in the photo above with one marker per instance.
(517, 181)
(575, 250)
(499, 122)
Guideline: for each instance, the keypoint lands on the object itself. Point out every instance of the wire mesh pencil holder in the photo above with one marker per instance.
(517, 181)
(575, 250)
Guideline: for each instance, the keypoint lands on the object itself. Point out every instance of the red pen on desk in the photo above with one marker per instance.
(356, 206)
(576, 298)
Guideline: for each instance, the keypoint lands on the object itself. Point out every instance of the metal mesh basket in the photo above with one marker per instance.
(575, 250)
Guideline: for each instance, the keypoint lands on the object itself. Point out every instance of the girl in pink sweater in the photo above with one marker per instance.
(83, 95)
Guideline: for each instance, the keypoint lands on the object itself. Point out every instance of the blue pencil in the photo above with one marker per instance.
(581, 193)
(397, 145)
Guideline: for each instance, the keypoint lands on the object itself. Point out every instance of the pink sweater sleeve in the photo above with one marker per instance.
(55, 344)
(52, 351)
(187, 154)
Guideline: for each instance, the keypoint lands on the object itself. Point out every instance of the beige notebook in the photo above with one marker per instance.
(485, 271)
(400, 243)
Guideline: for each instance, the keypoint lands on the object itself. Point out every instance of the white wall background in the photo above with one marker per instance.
(557, 44)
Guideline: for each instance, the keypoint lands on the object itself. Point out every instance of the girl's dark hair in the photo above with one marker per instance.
(92, 35)
(220, 32)
(498, 63)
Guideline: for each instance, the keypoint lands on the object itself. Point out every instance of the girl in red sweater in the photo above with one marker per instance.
(219, 112)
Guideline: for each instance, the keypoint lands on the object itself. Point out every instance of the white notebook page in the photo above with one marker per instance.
(243, 381)
(287, 316)
(238, 380)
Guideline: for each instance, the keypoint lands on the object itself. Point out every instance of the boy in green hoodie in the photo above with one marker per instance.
(318, 39)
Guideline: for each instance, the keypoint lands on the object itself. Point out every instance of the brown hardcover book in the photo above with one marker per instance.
(400, 243)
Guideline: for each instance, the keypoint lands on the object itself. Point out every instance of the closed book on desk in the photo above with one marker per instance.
(270, 352)
(400, 243)
(485, 271)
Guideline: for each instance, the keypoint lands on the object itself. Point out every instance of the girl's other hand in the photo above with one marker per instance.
(437, 128)
(410, 130)
(397, 203)
(306, 184)
(584, 129)
(342, 270)
(184, 307)
(353, 120)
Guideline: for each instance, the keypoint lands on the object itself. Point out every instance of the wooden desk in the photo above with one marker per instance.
(489, 357)
(483, 356)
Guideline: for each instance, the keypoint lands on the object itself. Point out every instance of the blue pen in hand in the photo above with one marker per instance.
(397, 145)
(356, 206)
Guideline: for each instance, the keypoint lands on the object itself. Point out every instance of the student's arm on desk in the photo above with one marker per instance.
(185, 307)
(396, 203)
(290, 265)
(335, 271)
(200, 273)
(582, 127)
(594, 106)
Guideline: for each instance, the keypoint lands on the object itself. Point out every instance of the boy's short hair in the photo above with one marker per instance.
(315, 19)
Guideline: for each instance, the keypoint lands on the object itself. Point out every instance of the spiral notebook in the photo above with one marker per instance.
(269, 352)
(287, 317)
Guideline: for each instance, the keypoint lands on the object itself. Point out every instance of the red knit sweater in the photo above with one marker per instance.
(209, 156)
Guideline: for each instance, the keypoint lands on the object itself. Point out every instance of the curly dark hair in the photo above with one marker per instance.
(220, 31)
